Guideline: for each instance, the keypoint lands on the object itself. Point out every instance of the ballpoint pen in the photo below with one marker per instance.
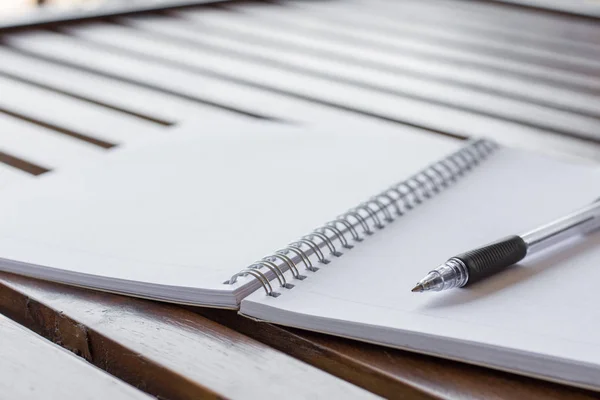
(474, 265)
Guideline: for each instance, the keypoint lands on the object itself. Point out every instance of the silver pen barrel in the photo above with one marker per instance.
(577, 223)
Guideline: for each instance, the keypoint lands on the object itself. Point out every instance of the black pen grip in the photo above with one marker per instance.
(493, 257)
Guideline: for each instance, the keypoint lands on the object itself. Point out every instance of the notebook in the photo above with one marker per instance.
(327, 229)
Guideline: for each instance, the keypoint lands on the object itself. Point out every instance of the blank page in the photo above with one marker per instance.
(175, 218)
(539, 318)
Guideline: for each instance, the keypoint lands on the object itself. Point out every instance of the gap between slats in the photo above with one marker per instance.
(21, 164)
(490, 22)
(194, 99)
(540, 94)
(59, 61)
(524, 17)
(194, 43)
(40, 85)
(97, 142)
(523, 40)
(427, 55)
(428, 33)
(244, 82)
(195, 69)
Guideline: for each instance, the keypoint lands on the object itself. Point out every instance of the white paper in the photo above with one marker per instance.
(546, 308)
(187, 212)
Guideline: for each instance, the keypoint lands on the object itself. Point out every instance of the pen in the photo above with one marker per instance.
(474, 265)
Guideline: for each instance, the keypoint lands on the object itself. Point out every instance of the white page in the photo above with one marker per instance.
(191, 210)
(544, 309)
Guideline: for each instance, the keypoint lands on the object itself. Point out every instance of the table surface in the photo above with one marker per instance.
(184, 352)
(33, 368)
(130, 348)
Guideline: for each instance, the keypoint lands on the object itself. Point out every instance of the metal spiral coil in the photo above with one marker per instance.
(348, 226)
(367, 217)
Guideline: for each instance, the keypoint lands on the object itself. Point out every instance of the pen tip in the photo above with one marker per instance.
(418, 288)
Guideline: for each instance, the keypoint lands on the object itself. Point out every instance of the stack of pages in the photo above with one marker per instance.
(327, 230)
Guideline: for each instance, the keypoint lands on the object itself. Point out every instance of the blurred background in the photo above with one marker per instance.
(11, 7)
(521, 75)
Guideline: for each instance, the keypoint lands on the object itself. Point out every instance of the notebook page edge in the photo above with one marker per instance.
(250, 285)
(256, 301)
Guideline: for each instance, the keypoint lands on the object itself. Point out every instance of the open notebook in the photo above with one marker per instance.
(240, 220)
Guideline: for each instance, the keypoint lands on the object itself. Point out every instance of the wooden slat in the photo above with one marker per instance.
(57, 14)
(524, 19)
(11, 175)
(247, 32)
(449, 36)
(43, 146)
(485, 17)
(33, 368)
(164, 350)
(410, 111)
(412, 108)
(252, 97)
(63, 50)
(575, 77)
(131, 98)
(400, 85)
(510, 37)
(72, 115)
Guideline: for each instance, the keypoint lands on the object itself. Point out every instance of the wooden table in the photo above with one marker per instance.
(32, 368)
(177, 352)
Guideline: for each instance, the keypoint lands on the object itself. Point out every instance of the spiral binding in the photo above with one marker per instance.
(367, 217)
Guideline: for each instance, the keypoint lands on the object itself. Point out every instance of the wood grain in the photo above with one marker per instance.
(32, 367)
(178, 353)
(163, 349)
